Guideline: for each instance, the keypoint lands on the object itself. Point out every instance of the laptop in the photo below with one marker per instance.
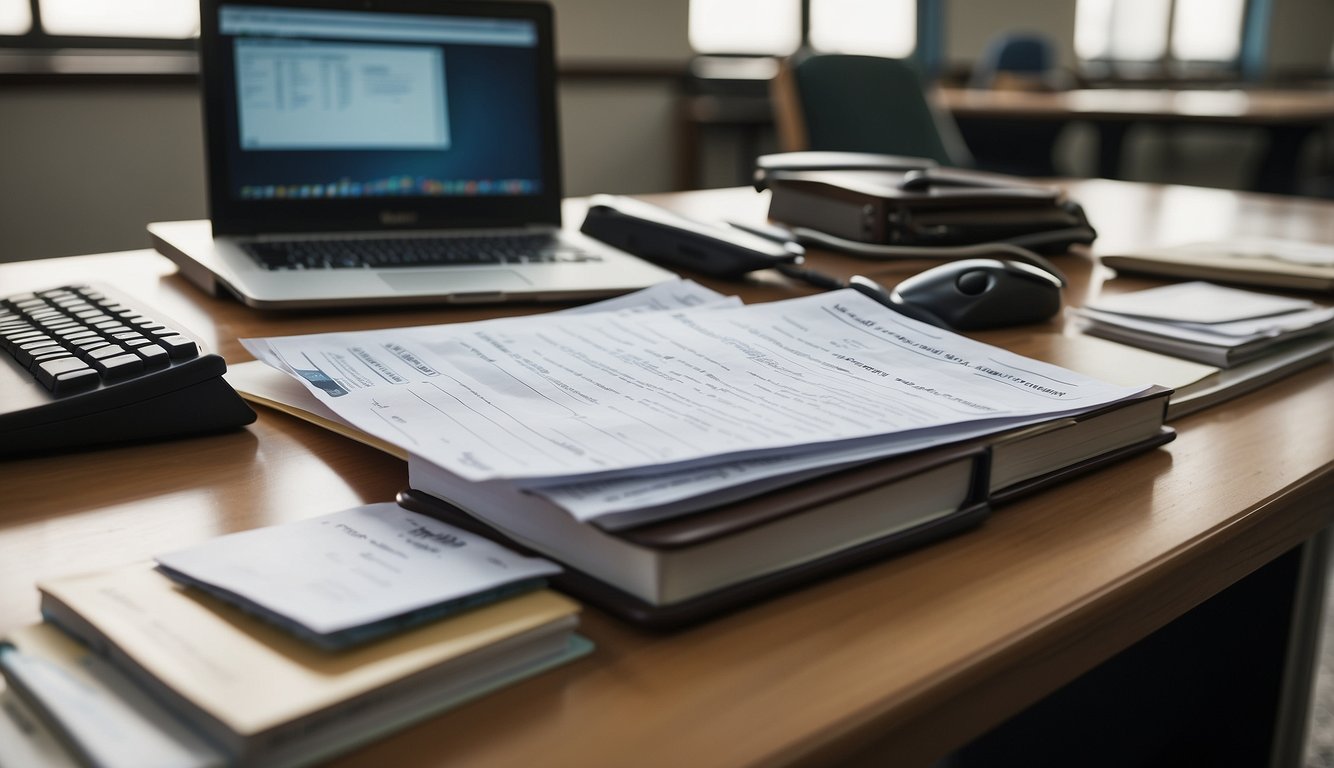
(366, 152)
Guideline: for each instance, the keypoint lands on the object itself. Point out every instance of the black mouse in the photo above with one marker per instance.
(976, 294)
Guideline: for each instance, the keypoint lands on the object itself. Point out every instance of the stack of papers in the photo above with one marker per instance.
(1210, 324)
(330, 631)
(657, 404)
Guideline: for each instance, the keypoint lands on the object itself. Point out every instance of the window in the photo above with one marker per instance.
(98, 23)
(872, 27)
(773, 27)
(1159, 31)
(120, 18)
(763, 27)
(1207, 30)
(15, 17)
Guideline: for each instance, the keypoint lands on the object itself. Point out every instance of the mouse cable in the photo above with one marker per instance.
(810, 276)
(1017, 247)
(1012, 248)
(863, 285)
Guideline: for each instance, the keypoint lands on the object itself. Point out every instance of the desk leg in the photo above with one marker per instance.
(1226, 684)
(1303, 655)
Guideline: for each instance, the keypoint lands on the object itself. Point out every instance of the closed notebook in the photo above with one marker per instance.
(680, 571)
(896, 503)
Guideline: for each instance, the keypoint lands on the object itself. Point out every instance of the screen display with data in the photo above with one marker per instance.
(354, 104)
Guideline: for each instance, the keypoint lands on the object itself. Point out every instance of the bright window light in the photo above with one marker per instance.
(745, 26)
(870, 27)
(1093, 29)
(1207, 30)
(1122, 30)
(121, 18)
(1139, 29)
(15, 17)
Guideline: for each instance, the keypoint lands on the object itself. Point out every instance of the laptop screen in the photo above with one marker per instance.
(327, 117)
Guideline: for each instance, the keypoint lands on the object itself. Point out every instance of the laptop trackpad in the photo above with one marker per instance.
(450, 281)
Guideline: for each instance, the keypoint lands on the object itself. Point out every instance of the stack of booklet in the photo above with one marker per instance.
(683, 453)
(280, 646)
(1212, 324)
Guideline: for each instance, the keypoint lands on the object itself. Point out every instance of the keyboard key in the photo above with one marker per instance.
(55, 353)
(155, 357)
(46, 372)
(74, 382)
(118, 368)
(25, 354)
(179, 347)
(110, 350)
(76, 333)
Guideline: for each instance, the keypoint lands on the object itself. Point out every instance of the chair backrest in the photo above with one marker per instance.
(847, 103)
(1021, 54)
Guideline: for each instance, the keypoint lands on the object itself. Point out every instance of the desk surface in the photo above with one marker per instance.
(908, 658)
(1258, 107)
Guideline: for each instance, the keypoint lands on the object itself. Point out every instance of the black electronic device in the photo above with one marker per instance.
(659, 235)
(886, 206)
(88, 366)
(977, 294)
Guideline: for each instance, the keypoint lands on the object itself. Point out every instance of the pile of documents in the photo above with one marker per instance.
(1212, 324)
(611, 437)
(282, 645)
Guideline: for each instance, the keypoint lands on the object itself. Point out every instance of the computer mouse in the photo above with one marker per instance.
(976, 294)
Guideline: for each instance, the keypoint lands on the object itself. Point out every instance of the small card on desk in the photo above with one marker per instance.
(351, 576)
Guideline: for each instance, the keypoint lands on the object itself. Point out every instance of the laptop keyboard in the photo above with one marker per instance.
(415, 252)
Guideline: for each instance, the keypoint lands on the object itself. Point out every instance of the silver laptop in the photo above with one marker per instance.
(385, 151)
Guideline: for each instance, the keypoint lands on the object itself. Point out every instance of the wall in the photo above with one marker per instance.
(970, 24)
(85, 167)
(1301, 35)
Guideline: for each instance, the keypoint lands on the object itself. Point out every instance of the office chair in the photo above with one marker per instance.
(847, 103)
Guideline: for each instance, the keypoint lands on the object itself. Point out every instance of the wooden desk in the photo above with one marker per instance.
(898, 663)
(1287, 116)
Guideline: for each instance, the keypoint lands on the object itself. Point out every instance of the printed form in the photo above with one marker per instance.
(550, 399)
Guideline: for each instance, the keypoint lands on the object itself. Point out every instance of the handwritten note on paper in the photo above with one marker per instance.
(594, 395)
(354, 567)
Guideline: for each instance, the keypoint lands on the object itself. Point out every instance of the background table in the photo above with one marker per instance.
(1288, 118)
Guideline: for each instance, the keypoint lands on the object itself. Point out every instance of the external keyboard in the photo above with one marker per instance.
(414, 252)
(88, 366)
